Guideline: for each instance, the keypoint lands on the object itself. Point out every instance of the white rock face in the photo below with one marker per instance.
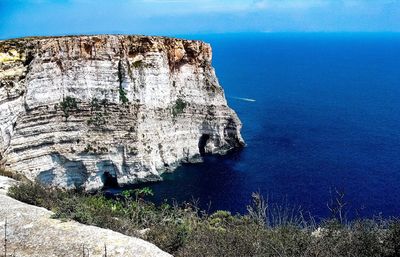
(81, 111)
(31, 232)
(6, 183)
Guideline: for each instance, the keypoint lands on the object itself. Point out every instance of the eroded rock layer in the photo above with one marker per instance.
(82, 111)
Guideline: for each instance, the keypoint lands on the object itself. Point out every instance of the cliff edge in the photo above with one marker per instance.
(85, 111)
(32, 232)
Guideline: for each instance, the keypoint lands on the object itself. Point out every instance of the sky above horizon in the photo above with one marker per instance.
(183, 17)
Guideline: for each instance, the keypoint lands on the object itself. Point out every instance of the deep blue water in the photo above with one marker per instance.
(326, 115)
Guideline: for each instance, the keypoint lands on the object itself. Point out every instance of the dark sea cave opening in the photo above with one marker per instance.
(109, 180)
(202, 143)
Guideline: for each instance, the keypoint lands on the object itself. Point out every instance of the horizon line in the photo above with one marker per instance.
(199, 33)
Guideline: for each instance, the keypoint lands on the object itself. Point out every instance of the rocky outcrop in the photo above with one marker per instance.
(6, 183)
(82, 111)
(31, 232)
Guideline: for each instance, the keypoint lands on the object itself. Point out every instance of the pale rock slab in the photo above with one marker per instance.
(6, 183)
(32, 232)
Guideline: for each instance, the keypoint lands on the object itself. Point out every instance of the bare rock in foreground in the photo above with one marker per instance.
(31, 232)
(5, 184)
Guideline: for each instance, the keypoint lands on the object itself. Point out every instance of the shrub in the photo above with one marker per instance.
(67, 105)
(122, 95)
(104, 103)
(95, 105)
(98, 120)
(170, 237)
(391, 240)
(35, 194)
(183, 230)
(137, 64)
(178, 107)
(89, 148)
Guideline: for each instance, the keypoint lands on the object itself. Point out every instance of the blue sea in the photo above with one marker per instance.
(325, 116)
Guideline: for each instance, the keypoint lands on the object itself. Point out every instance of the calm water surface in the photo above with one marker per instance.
(326, 115)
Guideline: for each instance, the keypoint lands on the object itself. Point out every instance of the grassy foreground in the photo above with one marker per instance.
(184, 230)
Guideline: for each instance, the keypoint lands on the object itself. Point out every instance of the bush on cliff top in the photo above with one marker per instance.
(184, 230)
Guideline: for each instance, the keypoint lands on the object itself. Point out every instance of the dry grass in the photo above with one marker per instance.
(8, 173)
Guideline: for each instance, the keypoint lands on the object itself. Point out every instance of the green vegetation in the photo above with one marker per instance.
(88, 148)
(99, 149)
(95, 105)
(178, 107)
(122, 95)
(184, 230)
(98, 120)
(105, 104)
(122, 92)
(137, 64)
(67, 105)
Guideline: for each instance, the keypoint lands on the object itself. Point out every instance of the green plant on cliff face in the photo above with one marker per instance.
(178, 107)
(98, 120)
(122, 95)
(67, 105)
(137, 64)
(95, 105)
(105, 104)
(89, 149)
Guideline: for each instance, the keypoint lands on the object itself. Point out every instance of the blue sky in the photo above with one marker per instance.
(177, 17)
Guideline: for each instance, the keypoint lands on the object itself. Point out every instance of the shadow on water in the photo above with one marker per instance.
(325, 115)
(215, 182)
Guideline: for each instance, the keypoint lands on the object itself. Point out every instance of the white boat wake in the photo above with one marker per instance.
(243, 99)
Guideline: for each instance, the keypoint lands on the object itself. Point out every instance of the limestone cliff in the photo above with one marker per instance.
(79, 110)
